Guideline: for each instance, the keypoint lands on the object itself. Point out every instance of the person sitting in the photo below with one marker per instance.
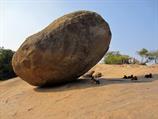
(97, 75)
(134, 78)
(95, 80)
(128, 77)
(124, 77)
(148, 76)
(89, 74)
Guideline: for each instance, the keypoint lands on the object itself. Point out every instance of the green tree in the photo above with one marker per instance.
(144, 53)
(114, 57)
(153, 55)
(6, 70)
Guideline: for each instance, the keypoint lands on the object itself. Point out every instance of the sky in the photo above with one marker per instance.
(133, 23)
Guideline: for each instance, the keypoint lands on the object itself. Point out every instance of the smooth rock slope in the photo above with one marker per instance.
(114, 98)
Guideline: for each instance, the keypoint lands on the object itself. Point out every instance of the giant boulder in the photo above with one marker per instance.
(64, 50)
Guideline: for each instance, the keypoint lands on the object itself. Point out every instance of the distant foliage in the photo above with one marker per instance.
(6, 70)
(148, 56)
(143, 53)
(114, 57)
(153, 56)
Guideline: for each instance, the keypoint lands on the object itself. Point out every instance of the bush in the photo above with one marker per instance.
(6, 70)
(115, 57)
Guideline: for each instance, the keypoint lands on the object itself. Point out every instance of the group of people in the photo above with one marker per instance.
(136, 78)
(93, 76)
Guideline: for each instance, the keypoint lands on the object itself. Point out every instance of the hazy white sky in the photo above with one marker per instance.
(134, 23)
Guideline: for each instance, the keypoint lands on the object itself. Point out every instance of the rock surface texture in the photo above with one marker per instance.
(64, 50)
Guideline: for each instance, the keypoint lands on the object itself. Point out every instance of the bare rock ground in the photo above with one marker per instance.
(114, 98)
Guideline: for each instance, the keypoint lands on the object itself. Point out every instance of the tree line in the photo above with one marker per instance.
(115, 57)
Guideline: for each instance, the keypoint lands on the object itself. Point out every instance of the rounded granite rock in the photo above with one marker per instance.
(64, 50)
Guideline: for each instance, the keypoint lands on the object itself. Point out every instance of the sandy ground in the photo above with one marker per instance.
(114, 98)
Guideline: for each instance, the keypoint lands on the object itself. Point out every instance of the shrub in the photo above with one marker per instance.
(115, 57)
(6, 70)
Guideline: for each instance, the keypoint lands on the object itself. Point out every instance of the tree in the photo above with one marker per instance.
(144, 53)
(6, 70)
(114, 57)
(153, 55)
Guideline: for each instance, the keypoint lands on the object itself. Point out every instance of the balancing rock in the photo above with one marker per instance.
(64, 50)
